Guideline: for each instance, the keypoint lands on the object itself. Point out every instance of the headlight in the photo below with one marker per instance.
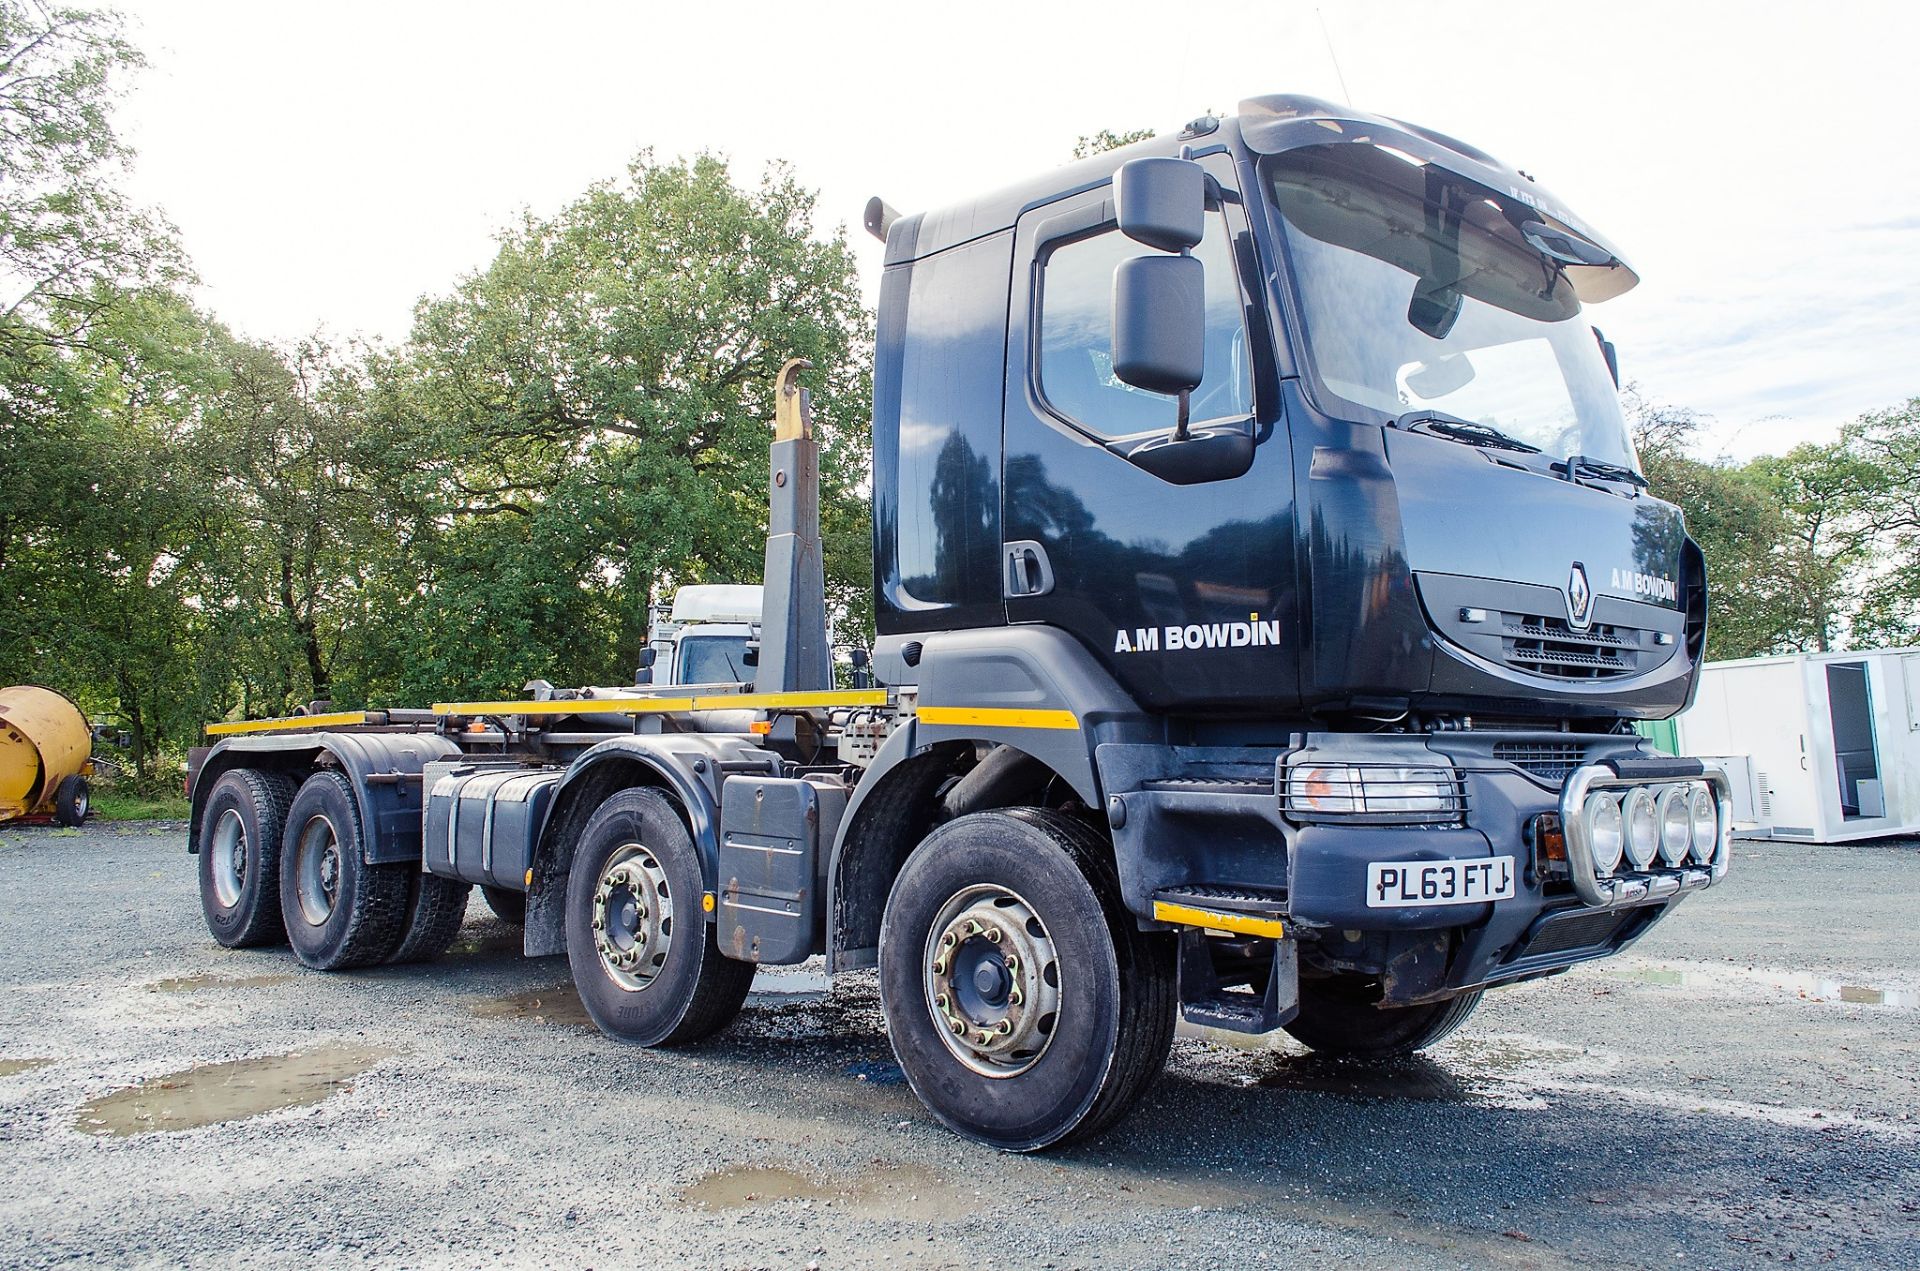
(1606, 836)
(1675, 810)
(1338, 789)
(1705, 810)
(1643, 826)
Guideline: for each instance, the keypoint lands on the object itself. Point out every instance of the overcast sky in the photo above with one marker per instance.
(327, 165)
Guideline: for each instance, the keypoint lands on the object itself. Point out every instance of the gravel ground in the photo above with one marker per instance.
(1742, 1089)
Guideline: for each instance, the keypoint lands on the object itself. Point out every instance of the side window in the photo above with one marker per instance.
(1076, 375)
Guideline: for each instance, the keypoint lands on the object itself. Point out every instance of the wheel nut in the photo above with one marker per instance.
(941, 1002)
(993, 934)
(956, 1024)
(1004, 1028)
(948, 941)
(1015, 997)
(939, 966)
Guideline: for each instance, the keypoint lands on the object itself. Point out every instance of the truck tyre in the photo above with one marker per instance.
(241, 827)
(1024, 1003)
(435, 909)
(644, 957)
(340, 911)
(1336, 1018)
(72, 800)
(507, 905)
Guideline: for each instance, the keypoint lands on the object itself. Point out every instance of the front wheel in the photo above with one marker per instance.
(1024, 1003)
(1337, 1017)
(644, 958)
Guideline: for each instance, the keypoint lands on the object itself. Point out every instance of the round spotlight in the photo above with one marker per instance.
(1643, 826)
(1605, 833)
(1675, 810)
(1705, 812)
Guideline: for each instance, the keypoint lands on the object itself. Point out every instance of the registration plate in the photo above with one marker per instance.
(1405, 884)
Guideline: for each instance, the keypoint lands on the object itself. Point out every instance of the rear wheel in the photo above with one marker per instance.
(644, 957)
(72, 800)
(239, 849)
(1338, 1017)
(340, 912)
(507, 906)
(435, 910)
(1024, 1003)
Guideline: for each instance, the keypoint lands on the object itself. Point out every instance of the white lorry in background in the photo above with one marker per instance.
(704, 638)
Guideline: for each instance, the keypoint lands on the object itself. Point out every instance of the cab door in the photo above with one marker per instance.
(1185, 591)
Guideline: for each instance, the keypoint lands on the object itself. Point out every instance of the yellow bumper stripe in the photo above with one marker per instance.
(1214, 920)
(338, 719)
(997, 717)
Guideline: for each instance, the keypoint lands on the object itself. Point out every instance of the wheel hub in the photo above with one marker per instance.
(632, 917)
(228, 846)
(318, 860)
(992, 981)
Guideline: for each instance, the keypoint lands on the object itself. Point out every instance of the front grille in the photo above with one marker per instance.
(1541, 644)
(1549, 760)
(1576, 931)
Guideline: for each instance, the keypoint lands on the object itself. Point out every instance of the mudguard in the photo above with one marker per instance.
(384, 769)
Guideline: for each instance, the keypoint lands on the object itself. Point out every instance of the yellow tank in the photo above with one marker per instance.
(45, 747)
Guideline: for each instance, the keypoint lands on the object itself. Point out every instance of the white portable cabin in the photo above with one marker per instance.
(1833, 739)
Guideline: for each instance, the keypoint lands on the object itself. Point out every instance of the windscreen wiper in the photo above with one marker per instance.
(1575, 465)
(1474, 434)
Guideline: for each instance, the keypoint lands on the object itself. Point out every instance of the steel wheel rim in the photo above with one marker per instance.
(991, 976)
(632, 917)
(227, 848)
(317, 869)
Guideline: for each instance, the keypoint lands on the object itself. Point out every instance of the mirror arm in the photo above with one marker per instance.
(1180, 420)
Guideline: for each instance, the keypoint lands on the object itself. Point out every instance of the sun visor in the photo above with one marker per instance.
(1274, 125)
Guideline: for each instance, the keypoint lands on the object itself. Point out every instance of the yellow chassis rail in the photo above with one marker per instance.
(584, 706)
(671, 705)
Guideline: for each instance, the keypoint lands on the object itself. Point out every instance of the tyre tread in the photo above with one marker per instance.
(437, 907)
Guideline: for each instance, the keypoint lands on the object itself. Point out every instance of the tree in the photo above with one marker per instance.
(587, 420)
(70, 242)
(1106, 139)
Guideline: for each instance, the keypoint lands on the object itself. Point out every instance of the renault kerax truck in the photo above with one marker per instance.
(1266, 591)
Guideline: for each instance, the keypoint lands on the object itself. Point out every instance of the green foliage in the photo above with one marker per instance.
(65, 228)
(588, 418)
(117, 805)
(1106, 139)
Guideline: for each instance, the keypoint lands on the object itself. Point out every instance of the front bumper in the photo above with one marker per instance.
(1189, 821)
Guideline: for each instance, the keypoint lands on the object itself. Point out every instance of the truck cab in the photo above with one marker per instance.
(709, 635)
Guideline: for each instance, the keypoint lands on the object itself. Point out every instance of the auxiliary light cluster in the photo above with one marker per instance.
(1672, 822)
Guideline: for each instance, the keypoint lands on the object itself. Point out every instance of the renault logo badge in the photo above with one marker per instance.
(1579, 598)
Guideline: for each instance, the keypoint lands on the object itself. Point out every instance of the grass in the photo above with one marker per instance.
(115, 805)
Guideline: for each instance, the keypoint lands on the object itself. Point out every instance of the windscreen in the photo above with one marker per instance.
(714, 659)
(1420, 292)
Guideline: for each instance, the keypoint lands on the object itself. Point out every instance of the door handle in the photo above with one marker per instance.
(1028, 572)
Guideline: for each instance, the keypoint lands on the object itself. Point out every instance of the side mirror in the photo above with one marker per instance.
(644, 675)
(1160, 323)
(1607, 352)
(1162, 202)
(750, 656)
(862, 663)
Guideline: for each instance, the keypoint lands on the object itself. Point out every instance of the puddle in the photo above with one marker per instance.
(786, 985)
(557, 1005)
(208, 980)
(12, 1067)
(494, 942)
(209, 1094)
(877, 1073)
(1801, 984)
(907, 1193)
